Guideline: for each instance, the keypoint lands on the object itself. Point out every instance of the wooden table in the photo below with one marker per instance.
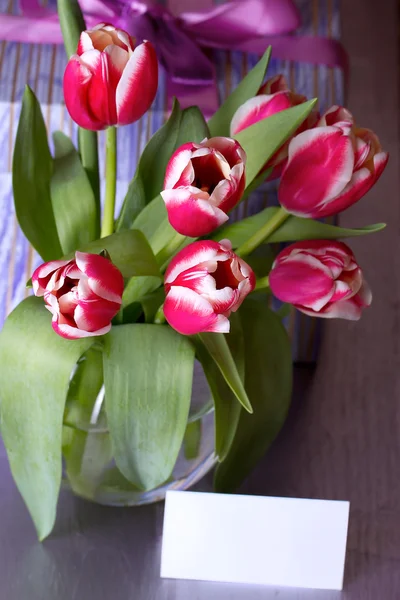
(341, 440)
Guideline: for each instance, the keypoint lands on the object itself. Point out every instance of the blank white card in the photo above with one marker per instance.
(254, 539)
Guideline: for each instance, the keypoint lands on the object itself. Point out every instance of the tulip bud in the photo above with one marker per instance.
(202, 183)
(205, 283)
(273, 97)
(109, 81)
(83, 294)
(330, 167)
(322, 279)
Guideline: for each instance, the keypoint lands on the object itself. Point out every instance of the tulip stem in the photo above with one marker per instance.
(111, 182)
(263, 233)
(159, 319)
(262, 283)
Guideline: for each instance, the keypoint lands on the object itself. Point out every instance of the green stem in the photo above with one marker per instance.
(111, 182)
(88, 150)
(262, 283)
(159, 319)
(262, 234)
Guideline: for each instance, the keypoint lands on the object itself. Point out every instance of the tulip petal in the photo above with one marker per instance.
(194, 255)
(177, 164)
(258, 108)
(230, 149)
(92, 316)
(302, 279)
(319, 168)
(73, 333)
(42, 274)
(188, 313)
(137, 87)
(101, 91)
(104, 278)
(77, 79)
(191, 213)
(360, 183)
(349, 310)
(275, 84)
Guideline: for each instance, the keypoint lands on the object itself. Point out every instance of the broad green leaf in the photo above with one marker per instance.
(152, 303)
(268, 380)
(129, 250)
(220, 122)
(72, 24)
(294, 228)
(261, 140)
(227, 408)
(182, 126)
(297, 228)
(84, 389)
(73, 200)
(36, 366)
(148, 371)
(219, 350)
(31, 171)
(138, 287)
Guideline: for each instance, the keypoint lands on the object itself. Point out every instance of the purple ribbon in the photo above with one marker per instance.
(180, 36)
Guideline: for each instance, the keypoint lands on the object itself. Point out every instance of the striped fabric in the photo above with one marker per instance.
(42, 66)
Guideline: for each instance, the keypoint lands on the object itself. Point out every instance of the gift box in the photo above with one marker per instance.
(41, 66)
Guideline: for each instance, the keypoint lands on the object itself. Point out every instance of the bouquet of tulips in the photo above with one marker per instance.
(134, 301)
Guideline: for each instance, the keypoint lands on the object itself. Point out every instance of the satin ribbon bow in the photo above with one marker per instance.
(180, 35)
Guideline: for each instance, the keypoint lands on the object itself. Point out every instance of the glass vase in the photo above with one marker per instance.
(89, 469)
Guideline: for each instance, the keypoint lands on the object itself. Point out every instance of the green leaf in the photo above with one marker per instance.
(294, 228)
(148, 371)
(129, 251)
(268, 380)
(261, 140)
(192, 440)
(73, 200)
(308, 229)
(31, 171)
(220, 122)
(139, 287)
(182, 126)
(218, 348)
(72, 24)
(227, 408)
(36, 366)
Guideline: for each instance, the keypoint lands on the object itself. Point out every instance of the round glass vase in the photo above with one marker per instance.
(89, 469)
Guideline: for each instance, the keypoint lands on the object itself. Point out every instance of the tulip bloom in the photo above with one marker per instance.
(202, 183)
(331, 166)
(109, 81)
(273, 97)
(83, 294)
(322, 279)
(205, 283)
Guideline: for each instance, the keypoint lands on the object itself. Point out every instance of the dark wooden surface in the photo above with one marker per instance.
(341, 440)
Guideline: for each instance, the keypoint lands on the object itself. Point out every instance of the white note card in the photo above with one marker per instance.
(254, 539)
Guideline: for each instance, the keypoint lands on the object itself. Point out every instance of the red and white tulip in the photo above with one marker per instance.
(273, 97)
(322, 279)
(331, 166)
(205, 283)
(203, 182)
(109, 81)
(82, 294)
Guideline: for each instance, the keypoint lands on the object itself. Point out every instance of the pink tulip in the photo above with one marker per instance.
(322, 279)
(273, 97)
(202, 183)
(83, 294)
(331, 166)
(109, 81)
(205, 283)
